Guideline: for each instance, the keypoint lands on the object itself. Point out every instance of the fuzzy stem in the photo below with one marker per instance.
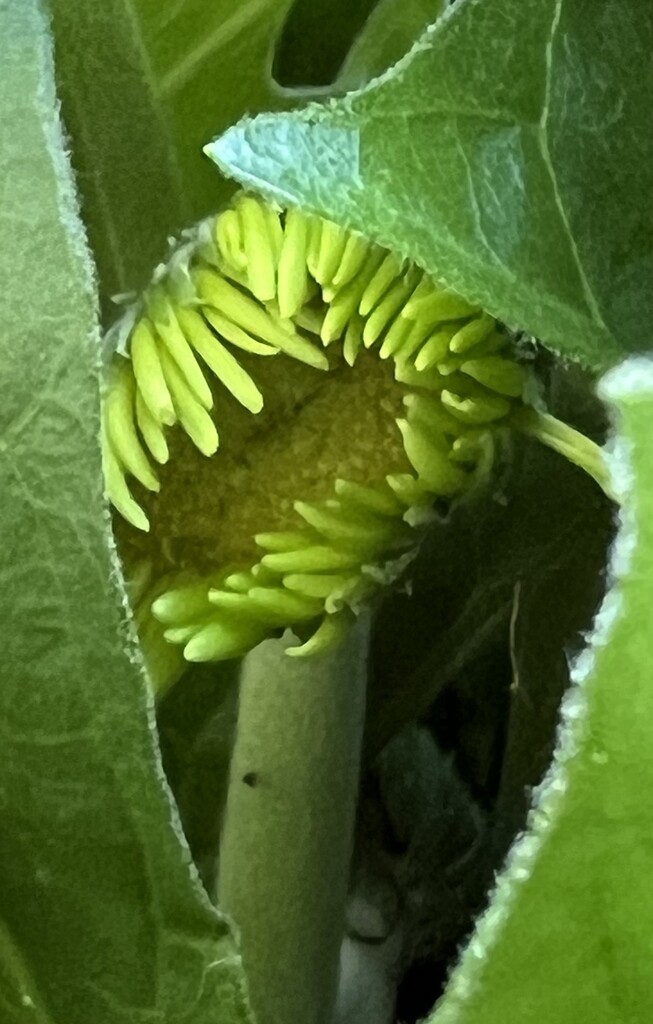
(288, 834)
(568, 442)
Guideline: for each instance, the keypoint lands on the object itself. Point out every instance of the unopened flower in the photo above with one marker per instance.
(286, 406)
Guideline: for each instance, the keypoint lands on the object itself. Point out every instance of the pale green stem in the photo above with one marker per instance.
(568, 442)
(288, 833)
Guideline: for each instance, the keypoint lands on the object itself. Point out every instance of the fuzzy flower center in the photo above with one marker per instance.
(315, 428)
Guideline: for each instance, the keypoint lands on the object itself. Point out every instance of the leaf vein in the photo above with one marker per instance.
(590, 297)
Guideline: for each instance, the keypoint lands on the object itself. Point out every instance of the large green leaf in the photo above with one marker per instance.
(510, 155)
(101, 911)
(568, 936)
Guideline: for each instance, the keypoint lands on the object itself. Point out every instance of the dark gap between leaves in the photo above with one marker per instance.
(316, 39)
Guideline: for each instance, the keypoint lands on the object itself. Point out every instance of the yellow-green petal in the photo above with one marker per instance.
(177, 346)
(218, 358)
(192, 415)
(119, 413)
(328, 635)
(149, 373)
(293, 274)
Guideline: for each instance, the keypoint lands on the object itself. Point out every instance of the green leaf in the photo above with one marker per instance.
(19, 1000)
(98, 896)
(389, 33)
(143, 86)
(510, 155)
(568, 933)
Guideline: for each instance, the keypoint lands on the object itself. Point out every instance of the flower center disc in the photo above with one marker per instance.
(314, 429)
